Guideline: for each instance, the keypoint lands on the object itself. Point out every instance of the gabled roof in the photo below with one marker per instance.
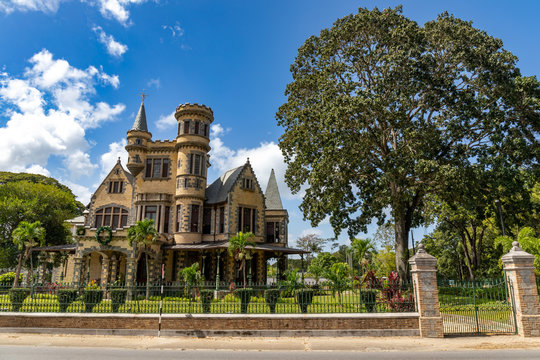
(272, 198)
(140, 120)
(217, 191)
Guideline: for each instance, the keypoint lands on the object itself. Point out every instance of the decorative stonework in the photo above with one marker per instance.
(519, 270)
(424, 276)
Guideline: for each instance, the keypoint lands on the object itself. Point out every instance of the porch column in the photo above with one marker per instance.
(424, 276)
(519, 270)
(162, 219)
(114, 268)
(105, 262)
(77, 267)
(261, 268)
(130, 276)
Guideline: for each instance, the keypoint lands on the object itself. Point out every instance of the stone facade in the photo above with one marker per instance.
(519, 270)
(167, 182)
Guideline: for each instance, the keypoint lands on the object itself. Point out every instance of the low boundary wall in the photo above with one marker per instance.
(201, 325)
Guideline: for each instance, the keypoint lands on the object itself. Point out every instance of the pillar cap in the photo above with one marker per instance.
(422, 257)
(517, 254)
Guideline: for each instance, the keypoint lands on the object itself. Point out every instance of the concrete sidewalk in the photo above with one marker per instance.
(365, 344)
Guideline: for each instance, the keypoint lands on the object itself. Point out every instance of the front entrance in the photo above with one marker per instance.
(477, 307)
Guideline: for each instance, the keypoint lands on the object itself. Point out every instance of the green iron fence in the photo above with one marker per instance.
(179, 298)
(477, 307)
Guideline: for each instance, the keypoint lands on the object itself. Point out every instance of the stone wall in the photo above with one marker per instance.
(370, 324)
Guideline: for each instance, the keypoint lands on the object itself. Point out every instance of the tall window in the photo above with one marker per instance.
(186, 126)
(150, 212)
(166, 219)
(272, 232)
(157, 168)
(205, 129)
(247, 184)
(116, 187)
(246, 219)
(178, 217)
(194, 218)
(221, 220)
(207, 221)
(197, 127)
(196, 164)
(114, 217)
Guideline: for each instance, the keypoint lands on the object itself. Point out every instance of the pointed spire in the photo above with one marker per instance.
(140, 120)
(273, 200)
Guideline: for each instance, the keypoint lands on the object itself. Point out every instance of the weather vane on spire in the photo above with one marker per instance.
(143, 95)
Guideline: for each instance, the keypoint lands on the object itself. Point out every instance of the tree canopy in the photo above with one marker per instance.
(33, 201)
(383, 112)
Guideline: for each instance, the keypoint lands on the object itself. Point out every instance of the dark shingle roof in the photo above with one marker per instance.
(272, 198)
(140, 120)
(217, 192)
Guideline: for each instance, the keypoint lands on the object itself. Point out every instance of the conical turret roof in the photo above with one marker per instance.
(273, 200)
(140, 120)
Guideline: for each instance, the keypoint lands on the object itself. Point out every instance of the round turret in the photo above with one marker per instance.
(192, 145)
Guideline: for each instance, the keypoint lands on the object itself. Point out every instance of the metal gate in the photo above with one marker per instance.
(477, 307)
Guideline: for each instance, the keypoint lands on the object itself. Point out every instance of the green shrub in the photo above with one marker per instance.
(206, 299)
(271, 297)
(245, 296)
(65, 298)
(118, 298)
(230, 298)
(369, 299)
(91, 298)
(304, 297)
(17, 296)
(9, 278)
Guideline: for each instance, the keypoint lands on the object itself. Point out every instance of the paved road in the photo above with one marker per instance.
(75, 353)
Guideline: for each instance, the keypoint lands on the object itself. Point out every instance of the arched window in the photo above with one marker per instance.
(114, 217)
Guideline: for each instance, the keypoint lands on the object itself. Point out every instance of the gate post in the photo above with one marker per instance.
(424, 276)
(519, 270)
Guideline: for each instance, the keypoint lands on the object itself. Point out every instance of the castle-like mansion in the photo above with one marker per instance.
(166, 181)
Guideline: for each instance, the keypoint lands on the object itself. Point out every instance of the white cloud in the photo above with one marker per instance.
(47, 111)
(310, 231)
(81, 192)
(263, 159)
(46, 6)
(117, 9)
(114, 48)
(79, 164)
(110, 9)
(154, 83)
(109, 159)
(166, 121)
(176, 30)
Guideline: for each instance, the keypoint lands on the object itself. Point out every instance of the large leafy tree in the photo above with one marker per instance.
(33, 201)
(238, 249)
(143, 233)
(25, 237)
(382, 112)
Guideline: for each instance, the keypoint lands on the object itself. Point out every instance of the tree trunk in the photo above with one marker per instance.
(467, 256)
(402, 245)
(18, 271)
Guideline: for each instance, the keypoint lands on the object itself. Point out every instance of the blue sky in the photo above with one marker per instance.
(71, 72)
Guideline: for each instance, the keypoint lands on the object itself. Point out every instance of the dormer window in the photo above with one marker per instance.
(248, 184)
(116, 187)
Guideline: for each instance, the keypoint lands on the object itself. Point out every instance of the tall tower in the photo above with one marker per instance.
(192, 146)
(138, 138)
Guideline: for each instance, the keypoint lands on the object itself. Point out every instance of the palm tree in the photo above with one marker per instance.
(144, 233)
(237, 248)
(362, 248)
(26, 236)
